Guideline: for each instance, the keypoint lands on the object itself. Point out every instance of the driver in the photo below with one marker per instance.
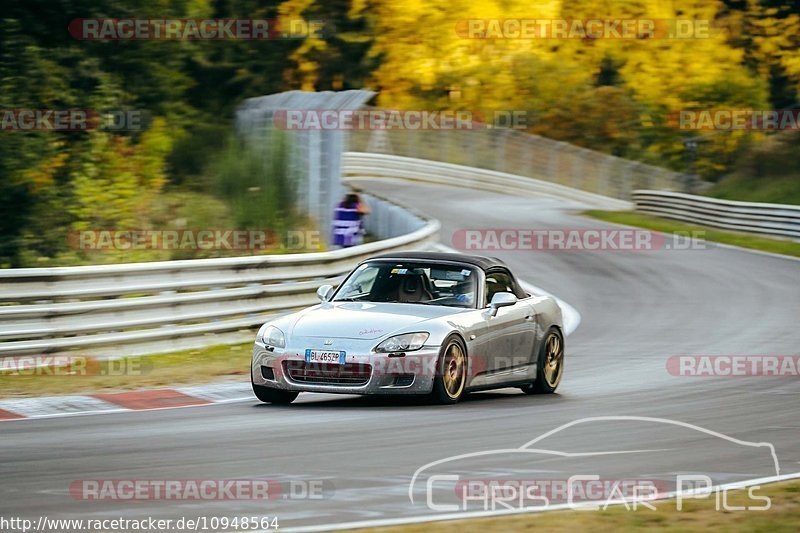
(414, 287)
(464, 292)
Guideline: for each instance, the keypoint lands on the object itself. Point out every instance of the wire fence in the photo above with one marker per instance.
(523, 154)
(314, 161)
(314, 156)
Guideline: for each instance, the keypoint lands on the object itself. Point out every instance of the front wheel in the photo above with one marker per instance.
(549, 365)
(276, 396)
(451, 375)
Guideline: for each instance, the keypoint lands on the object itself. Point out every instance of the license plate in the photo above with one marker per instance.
(325, 356)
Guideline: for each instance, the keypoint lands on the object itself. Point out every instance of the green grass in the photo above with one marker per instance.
(754, 242)
(188, 367)
(767, 172)
(777, 190)
(697, 515)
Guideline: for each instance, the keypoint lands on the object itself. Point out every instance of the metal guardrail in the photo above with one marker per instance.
(136, 307)
(373, 165)
(778, 220)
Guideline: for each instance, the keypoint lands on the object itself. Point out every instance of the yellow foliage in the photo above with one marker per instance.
(423, 53)
(117, 180)
(43, 175)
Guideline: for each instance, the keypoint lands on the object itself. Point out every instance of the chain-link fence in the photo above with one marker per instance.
(523, 154)
(314, 161)
(314, 155)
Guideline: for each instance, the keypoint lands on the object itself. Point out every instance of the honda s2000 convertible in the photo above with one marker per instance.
(436, 324)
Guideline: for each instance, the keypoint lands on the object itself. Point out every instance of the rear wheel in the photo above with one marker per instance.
(451, 375)
(549, 365)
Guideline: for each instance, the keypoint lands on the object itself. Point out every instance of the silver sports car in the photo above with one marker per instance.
(414, 323)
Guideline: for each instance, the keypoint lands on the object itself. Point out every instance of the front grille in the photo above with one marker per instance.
(328, 374)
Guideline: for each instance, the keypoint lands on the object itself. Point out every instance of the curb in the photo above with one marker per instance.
(117, 402)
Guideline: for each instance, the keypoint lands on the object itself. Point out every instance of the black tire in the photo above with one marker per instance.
(275, 396)
(451, 372)
(549, 364)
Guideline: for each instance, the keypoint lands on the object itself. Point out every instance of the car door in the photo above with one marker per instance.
(511, 333)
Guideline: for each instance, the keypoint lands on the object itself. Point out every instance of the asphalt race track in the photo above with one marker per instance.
(637, 309)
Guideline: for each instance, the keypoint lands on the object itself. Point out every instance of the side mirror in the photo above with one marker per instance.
(501, 299)
(324, 292)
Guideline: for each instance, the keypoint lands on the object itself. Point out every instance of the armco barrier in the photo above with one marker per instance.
(777, 220)
(122, 309)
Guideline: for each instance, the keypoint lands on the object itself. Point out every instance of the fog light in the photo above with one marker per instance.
(267, 373)
(403, 380)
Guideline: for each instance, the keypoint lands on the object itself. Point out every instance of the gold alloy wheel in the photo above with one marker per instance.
(454, 370)
(554, 360)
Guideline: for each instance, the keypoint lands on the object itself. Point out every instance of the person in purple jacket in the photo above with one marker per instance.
(347, 224)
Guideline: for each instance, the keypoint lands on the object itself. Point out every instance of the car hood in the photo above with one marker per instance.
(364, 320)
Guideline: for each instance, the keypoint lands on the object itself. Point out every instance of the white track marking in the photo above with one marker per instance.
(115, 410)
(219, 392)
(57, 406)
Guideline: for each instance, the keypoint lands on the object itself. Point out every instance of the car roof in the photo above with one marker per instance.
(484, 263)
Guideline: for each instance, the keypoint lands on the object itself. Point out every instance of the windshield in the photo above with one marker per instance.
(410, 282)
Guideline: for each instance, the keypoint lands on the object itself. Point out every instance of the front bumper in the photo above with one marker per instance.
(412, 373)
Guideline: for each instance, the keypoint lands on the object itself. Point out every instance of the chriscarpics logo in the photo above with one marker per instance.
(622, 464)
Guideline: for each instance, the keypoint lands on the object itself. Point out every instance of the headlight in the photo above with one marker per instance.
(272, 336)
(407, 342)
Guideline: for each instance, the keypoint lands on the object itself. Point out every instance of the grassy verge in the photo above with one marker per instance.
(764, 244)
(697, 515)
(769, 171)
(778, 190)
(154, 371)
